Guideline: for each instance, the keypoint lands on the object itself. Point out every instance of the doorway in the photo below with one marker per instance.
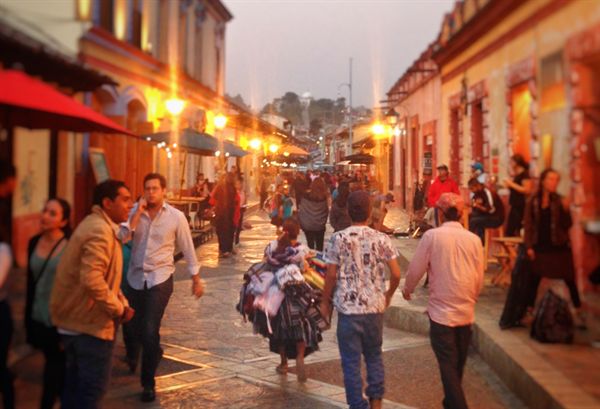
(521, 120)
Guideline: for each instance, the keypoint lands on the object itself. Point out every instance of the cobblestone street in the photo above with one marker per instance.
(212, 359)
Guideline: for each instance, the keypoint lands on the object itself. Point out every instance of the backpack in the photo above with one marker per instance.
(553, 322)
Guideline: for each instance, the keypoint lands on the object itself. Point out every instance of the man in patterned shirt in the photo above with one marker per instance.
(356, 264)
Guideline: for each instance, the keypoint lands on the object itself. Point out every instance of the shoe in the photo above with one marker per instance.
(148, 395)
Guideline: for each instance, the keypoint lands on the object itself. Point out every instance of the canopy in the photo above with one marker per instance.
(31, 103)
(293, 150)
(360, 159)
(198, 142)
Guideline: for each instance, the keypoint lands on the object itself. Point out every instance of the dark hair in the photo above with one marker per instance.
(66, 214)
(7, 171)
(291, 230)
(359, 210)
(452, 214)
(318, 190)
(520, 161)
(543, 176)
(474, 182)
(109, 189)
(151, 176)
(342, 195)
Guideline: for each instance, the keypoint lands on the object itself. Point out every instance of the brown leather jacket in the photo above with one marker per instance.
(86, 296)
(560, 221)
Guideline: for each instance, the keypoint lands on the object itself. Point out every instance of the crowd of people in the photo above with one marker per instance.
(115, 269)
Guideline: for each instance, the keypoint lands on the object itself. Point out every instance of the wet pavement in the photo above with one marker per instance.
(212, 358)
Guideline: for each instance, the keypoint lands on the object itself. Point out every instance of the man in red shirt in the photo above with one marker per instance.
(442, 184)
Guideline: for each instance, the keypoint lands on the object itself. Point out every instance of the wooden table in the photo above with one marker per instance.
(506, 259)
(185, 204)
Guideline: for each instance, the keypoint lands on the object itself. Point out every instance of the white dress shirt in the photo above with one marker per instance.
(454, 257)
(154, 247)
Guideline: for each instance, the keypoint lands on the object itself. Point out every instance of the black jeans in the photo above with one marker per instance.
(535, 283)
(451, 345)
(514, 222)
(225, 230)
(6, 378)
(314, 239)
(88, 365)
(238, 230)
(478, 224)
(54, 368)
(149, 305)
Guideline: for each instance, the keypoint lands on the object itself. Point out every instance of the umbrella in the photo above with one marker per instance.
(360, 159)
(293, 150)
(31, 103)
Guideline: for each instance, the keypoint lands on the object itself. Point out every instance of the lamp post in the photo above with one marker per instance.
(349, 85)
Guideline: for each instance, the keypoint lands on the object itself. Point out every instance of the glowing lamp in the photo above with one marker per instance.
(286, 154)
(226, 154)
(175, 106)
(273, 148)
(378, 129)
(255, 144)
(220, 121)
(217, 153)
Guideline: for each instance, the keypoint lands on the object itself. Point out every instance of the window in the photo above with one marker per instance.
(136, 23)
(477, 132)
(106, 17)
(454, 144)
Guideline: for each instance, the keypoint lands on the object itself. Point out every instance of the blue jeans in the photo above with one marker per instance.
(361, 335)
(88, 364)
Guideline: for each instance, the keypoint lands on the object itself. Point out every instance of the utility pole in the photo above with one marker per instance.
(349, 147)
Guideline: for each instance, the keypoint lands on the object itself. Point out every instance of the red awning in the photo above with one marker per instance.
(30, 103)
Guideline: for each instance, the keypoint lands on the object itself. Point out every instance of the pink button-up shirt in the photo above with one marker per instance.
(454, 258)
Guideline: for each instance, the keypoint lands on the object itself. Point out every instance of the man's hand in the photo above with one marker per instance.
(128, 314)
(531, 254)
(142, 205)
(406, 294)
(197, 286)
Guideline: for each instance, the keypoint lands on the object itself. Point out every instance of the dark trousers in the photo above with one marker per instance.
(6, 377)
(514, 222)
(361, 335)
(535, 283)
(263, 198)
(225, 230)
(88, 365)
(314, 239)
(149, 305)
(238, 230)
(54, 368)
(478, 224)
(451, 345)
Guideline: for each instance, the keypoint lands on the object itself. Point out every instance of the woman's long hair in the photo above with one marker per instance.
(543, 176)
(318, 190)
(291, 229)
(343, 193)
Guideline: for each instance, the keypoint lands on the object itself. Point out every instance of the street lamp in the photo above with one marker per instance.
(273, 148)
(255, 144)
(220, 121)
(175, 106)
(392, 117)
(378, 130)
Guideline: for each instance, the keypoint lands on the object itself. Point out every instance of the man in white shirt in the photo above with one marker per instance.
(454, 257)
(159, 230)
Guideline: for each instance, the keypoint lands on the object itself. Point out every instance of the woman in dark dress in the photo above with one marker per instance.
(520, 188)
(313, 213)
(224, 198)
(547, 222)
(44, 253)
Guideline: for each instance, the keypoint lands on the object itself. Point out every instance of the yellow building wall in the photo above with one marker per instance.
(540, 40)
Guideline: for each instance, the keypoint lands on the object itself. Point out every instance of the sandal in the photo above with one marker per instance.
(281, 369)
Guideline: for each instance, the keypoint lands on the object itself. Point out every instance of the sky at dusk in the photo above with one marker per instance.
(274, 46)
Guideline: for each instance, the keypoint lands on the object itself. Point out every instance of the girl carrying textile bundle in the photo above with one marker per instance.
(285, 305)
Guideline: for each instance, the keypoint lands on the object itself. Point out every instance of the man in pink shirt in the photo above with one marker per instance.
(454, 258)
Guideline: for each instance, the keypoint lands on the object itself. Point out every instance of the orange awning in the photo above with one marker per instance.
(293, 150)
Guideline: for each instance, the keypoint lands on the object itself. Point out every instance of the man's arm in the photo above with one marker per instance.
(490, 199)
(127, 229)
(186, 244)
(417, 267)
(394, 279)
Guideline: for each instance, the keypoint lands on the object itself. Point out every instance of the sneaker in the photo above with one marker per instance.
(148, 395)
